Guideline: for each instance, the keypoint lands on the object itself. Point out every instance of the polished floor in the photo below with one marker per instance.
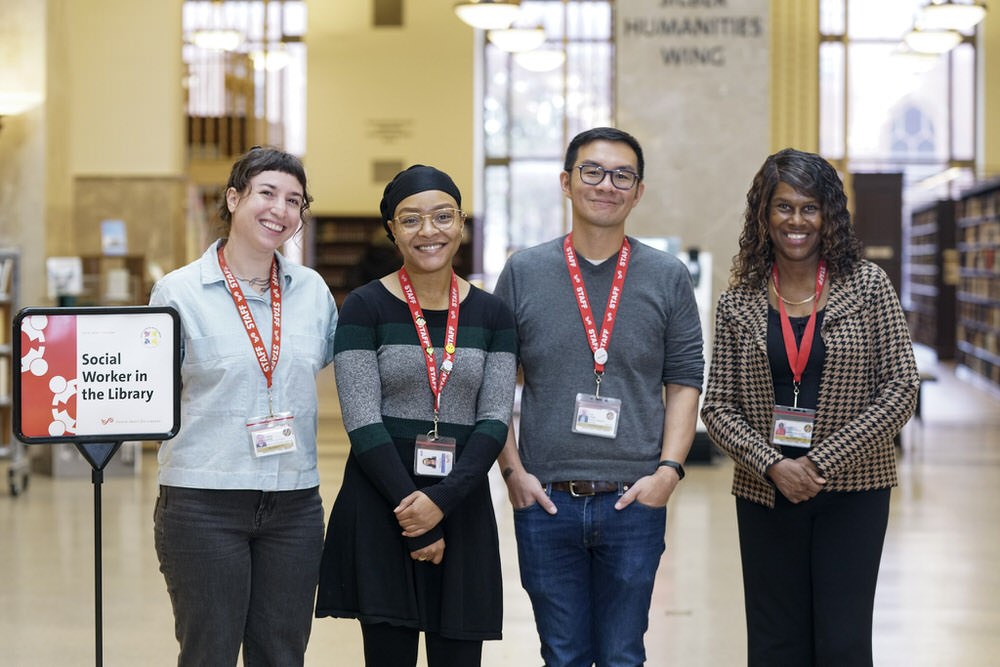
(938, 599)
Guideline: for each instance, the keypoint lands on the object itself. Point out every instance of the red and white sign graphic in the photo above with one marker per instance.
(88, 375)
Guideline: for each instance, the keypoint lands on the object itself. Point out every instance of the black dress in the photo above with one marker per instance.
(367, 572)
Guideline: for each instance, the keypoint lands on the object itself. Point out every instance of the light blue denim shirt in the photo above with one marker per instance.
(223, 385)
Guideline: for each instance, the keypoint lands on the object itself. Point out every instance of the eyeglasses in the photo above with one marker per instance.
(593, 174)
(442, 219)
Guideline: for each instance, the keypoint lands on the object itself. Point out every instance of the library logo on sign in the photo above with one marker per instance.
(151, 337)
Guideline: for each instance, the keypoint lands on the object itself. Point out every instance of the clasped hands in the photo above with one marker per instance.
(416, 515)
(797, 479)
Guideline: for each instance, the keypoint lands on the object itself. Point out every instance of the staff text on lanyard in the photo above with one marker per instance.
(267, 364)
(598, 342)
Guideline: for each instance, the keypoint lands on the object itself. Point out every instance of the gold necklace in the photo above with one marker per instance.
(791, 303)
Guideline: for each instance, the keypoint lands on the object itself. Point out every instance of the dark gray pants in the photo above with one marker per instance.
(241, 568)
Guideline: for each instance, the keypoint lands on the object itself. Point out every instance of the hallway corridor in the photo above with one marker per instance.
(938, 600)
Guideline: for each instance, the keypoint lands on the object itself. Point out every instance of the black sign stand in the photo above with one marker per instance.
(98, 454)
(149, 326)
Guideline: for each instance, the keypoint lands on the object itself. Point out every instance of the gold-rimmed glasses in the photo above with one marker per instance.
(442, 219)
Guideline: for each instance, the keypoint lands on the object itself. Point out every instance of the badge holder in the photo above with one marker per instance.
(433, 456)
(272, 434)
(792, 427)
(597, 415)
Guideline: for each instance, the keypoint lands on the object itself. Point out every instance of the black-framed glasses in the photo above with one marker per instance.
(442, 218)
(593, 174)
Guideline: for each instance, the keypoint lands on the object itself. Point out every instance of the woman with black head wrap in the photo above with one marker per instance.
(425, 366)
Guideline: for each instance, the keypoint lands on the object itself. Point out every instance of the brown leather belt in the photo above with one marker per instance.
(587, 488)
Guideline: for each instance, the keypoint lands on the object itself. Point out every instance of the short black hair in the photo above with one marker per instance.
(603, 134)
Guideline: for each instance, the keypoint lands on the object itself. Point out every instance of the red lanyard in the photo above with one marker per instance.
(437, 381)
(598, 344)
(243, 308)
(798, 356)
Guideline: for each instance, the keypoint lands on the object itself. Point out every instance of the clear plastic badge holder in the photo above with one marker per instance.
(597, 415)
(272, 434)
(433, 456)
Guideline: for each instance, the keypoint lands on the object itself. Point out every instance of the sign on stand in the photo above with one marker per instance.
(96, 377)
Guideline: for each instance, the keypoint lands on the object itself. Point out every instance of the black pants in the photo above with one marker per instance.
(809, 575)
(392, 646)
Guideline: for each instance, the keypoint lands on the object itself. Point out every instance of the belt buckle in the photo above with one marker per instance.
(573, 492)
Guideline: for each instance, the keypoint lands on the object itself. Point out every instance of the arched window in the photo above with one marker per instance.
(884, 107)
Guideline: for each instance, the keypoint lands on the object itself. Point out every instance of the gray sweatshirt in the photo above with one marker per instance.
(656, 341)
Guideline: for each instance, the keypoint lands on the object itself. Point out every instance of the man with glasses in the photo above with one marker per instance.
(611, 352)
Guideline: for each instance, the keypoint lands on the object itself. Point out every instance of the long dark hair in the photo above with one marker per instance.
(810, 175)
(256, 160)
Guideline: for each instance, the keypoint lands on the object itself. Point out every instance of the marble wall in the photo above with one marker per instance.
(693, 85)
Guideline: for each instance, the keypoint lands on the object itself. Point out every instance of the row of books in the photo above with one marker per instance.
(985, 232)
(979, 314)
(983, 259)
(978, 206)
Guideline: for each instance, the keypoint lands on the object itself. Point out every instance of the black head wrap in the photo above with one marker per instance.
(418, 178)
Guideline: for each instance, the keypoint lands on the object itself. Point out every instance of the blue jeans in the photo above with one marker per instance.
(241, 569)
(589, 572)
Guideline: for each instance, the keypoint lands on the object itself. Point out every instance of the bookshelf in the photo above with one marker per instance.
(349, 251)
(977, 216)
(932, 276)
(10, 280)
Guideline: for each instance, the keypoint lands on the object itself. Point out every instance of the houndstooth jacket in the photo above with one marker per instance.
(867, 392)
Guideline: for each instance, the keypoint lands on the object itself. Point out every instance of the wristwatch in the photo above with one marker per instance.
(667, 463)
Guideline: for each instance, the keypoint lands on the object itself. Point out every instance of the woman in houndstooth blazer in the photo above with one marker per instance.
(810, 335)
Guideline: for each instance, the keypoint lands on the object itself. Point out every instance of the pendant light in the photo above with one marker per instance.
(514, 40)
(488, 14)
(950, 15)
(932, 41)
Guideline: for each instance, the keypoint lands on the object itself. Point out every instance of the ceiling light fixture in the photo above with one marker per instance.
(932, 41)
(488, 14)
(514, 40)
(540, 60)
(216, 39)
(949, 15)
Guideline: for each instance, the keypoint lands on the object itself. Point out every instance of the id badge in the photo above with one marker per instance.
(596, 415)
(272, 434)
(792, 427)
(433, 457)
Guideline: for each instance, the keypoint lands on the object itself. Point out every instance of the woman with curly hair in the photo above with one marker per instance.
(811, 336)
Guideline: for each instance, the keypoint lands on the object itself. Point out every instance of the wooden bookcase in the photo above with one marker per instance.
(932, 276)
(349, 251)
(977, 216)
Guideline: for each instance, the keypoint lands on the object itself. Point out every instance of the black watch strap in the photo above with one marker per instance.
(667, 463)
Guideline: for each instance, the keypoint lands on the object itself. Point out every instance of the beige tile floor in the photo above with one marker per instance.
(938, 599)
